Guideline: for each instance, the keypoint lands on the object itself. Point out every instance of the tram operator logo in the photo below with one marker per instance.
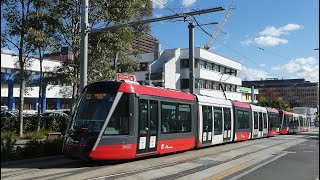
(166, 146)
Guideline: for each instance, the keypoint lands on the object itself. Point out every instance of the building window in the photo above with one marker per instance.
(210, 85)
(143, 67)
(202, 84)
(184, 83)
(196, 84)
(184, 63)
(196, 63)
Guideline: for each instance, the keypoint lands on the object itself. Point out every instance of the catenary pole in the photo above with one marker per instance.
(191, 57)
(84, 44)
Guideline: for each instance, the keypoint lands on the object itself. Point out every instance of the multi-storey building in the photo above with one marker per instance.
(297, 92)
(55, 96)
(170, 69)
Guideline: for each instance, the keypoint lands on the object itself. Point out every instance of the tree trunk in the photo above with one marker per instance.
(22, 82)
(40, 91)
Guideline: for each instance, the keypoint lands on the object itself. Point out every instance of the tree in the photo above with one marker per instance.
(42, 29)
(104, 47)
(277, 103)
(15, 17)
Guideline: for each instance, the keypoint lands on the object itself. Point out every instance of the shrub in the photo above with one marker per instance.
(36, 135)
(33, 149)
(8, 141)
(9, 124)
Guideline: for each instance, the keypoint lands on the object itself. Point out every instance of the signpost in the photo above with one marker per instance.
(126, 77)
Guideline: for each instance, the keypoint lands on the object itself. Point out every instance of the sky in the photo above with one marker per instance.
(270, 38)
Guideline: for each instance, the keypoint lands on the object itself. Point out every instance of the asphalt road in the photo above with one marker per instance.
(301, 162)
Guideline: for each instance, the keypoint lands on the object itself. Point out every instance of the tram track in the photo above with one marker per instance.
(190, 171)
(87, 167)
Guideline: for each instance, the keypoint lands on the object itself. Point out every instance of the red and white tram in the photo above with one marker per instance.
(120, 120)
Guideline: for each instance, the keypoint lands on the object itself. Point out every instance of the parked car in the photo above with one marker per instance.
(9, 114)
(4, 108)
(54, 114)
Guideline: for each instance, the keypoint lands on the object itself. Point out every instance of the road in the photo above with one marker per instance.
(292, 157)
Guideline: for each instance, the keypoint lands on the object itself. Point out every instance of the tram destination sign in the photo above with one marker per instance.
(126, 77)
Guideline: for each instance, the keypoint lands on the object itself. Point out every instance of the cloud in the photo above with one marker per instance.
(187, 3)
(307, 68)
(276, 32)
(248, 74)
(291, 27)
(159, 3)
(269, 41)
(270, 36)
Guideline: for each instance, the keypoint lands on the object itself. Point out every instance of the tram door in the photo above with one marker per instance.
(207, 124)
(260, 125)
(148, 126)
(227, 124)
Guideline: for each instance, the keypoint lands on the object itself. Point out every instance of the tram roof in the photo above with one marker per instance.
(258, 108)
(241, 104)
(203, 99)
(154, 91)
(272, 110)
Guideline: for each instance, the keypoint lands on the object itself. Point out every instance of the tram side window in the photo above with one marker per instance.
(184, 118)
(227, 118)
(255, 114)
(217, 120)
(243, 119)
(265, 125)
(119, 121)
(168, 118)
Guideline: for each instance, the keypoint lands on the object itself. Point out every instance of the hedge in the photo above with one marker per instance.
(30, 123)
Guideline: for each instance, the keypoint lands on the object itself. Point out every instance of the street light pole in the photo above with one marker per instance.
(191, 57)
(84, 44)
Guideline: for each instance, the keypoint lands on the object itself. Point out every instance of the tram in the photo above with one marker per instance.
(122, 120)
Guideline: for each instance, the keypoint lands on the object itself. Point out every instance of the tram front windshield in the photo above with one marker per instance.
(92, 111)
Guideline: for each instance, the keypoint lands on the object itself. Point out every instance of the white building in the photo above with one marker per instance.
(56, 96)
(170, 69)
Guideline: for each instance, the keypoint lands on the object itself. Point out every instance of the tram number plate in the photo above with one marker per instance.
(152, 141)
(142, 143)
